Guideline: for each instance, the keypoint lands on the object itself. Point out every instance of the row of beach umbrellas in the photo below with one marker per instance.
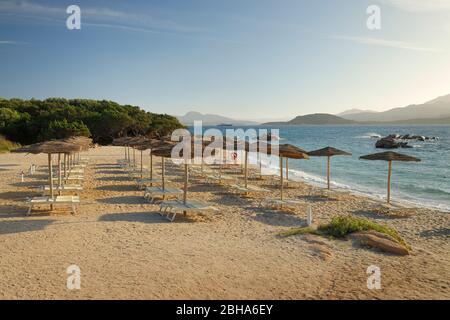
(70, 148)
(163, 148)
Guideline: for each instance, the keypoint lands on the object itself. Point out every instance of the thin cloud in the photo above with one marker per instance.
(419, 5)
(120, 27)
(105, 17)
(385, 43)
(6, 42)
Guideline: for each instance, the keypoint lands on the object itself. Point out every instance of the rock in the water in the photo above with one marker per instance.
(390, 143)
(381, 241)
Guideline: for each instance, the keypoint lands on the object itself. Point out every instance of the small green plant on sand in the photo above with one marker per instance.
(340, 227)
(301, 230)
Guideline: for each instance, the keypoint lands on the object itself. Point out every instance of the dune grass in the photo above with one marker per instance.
(340, 227)
(6, 145)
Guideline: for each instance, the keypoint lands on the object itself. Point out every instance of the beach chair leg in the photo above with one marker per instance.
(29, 209)
(173, 216)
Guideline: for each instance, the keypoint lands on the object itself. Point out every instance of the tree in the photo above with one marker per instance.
(29, 121)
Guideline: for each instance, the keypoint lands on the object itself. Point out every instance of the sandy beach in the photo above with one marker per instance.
(126, 250)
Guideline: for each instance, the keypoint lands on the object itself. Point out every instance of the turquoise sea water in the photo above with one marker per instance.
(425, 183)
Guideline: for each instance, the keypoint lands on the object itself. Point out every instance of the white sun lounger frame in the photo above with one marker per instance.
(151, 192)
(73, 201)
(169, 209)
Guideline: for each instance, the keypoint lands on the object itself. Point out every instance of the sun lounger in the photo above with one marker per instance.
(152, 192)
(76, 171)
(72, 201)
(77, 177)
(212, 178)
(170, 208)
(281, 203)
(64, 187)
(147, 182)
(239, 189)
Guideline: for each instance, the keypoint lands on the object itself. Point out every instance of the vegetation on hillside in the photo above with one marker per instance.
(6, 146)
(30, 121)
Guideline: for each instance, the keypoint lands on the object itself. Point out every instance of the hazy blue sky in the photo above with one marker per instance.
(240, 58)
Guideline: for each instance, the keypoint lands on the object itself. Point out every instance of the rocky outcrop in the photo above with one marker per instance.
(380, 241)
(390, 143)
(412, 137)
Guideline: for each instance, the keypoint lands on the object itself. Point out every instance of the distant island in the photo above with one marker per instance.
(212, 120)
(436, 111)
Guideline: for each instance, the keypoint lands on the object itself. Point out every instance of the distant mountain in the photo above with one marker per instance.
(434, 109)
(315, 119)
(211, 119)
(354, 111)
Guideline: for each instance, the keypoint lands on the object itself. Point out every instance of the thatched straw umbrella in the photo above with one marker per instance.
(133, 142)
(150, 144)
(292, 152)
(390, 156)
(50, 147)
(328, 152)
(122, 142)
(165, 151)
(83, 142)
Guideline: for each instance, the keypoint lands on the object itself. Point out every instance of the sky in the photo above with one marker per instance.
(246, 59)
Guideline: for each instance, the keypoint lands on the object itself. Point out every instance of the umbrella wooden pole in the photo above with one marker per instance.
(65, 165)
(50, 177)
(134, 158)
(389, 183)
(68, 163)
(186, 177)
(246, 169)
(260, 165)
(162, 175)
(151, 165)
(287, 169)
(281, 178)
(328, 172)
(142, 167)
(59, 174)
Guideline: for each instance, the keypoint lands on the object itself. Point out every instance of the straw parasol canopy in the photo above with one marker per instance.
(50, 147)
(82, 141)
(328, 152)
(150, 144)
(390, 156)
(165, 151)
(289, 151)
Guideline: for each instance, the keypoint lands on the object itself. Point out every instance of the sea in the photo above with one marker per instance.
(426, 183)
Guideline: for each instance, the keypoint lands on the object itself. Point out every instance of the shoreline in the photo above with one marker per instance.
(317, 181)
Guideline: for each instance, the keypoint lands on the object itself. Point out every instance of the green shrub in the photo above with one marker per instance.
(340, 227)
(6, 146)
(301, 230)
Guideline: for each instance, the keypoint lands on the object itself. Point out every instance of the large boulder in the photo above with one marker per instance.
(390, 143)
(380, 241)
